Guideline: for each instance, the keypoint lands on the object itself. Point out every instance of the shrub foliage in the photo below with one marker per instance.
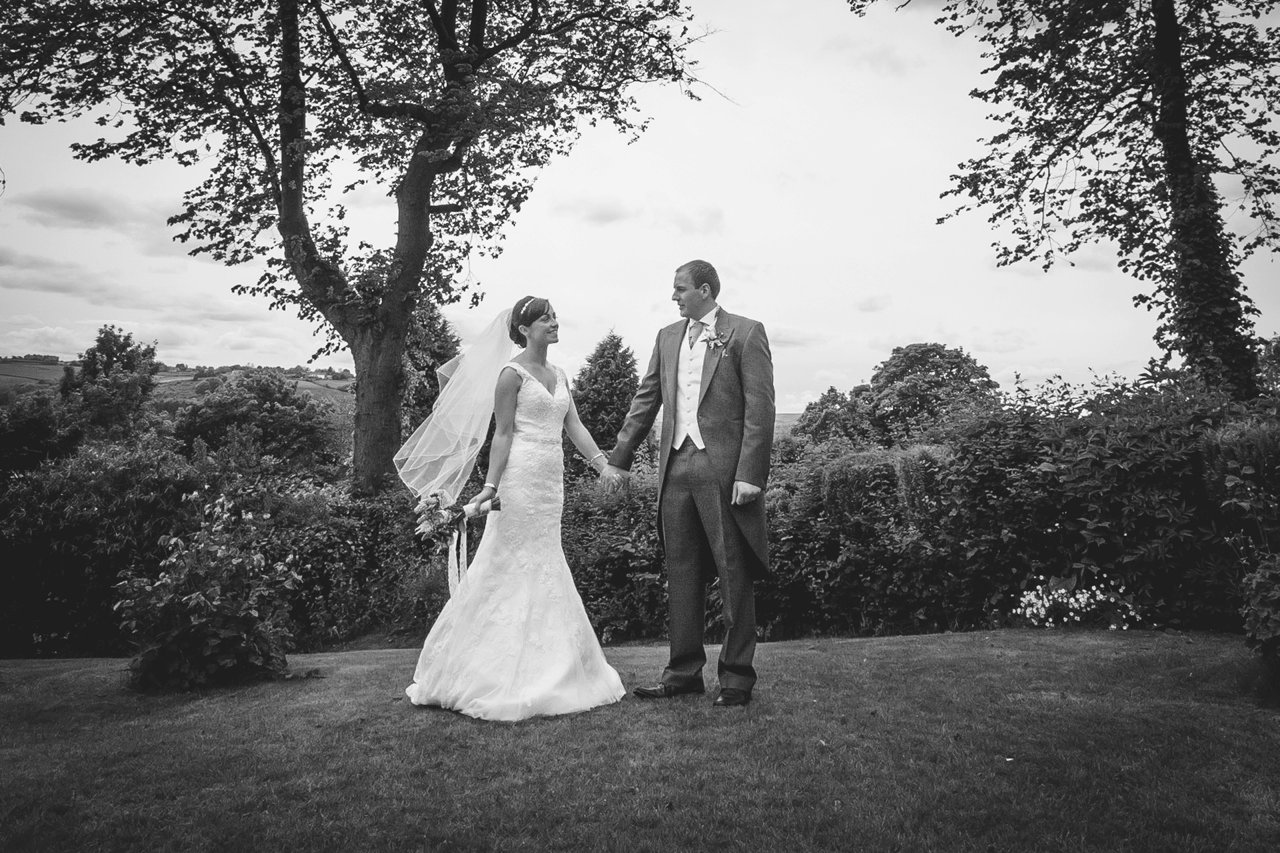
(1160, 497)
(214, 614)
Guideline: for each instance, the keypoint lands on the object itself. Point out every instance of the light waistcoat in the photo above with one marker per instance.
(689, 384)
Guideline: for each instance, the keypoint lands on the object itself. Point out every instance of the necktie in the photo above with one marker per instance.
(695, 331)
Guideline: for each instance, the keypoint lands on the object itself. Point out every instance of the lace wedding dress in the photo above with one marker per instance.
(514, 640)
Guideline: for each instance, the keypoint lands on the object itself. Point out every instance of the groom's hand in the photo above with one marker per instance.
(613, 478)
(744, 493)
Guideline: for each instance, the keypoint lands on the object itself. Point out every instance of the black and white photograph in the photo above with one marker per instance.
(640, 425)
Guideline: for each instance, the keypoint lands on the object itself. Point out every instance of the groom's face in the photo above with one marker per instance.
(692, 300)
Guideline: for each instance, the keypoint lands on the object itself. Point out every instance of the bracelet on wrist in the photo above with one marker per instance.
(491, 486)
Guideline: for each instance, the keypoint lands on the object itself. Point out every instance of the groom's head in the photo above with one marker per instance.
(695, 289)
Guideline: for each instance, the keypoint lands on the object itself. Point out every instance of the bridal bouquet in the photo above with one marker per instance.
(435, 520)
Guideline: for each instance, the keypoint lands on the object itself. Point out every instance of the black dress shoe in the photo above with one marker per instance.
(666, 691)
(731, 697)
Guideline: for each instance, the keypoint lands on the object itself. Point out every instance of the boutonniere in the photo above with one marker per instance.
(716, 341)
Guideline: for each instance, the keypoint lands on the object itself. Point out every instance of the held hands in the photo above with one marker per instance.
(613, 479)
(744, 493)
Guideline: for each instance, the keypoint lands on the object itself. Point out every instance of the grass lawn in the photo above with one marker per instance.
(1005, 741)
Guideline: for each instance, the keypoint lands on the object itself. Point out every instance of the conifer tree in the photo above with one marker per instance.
(603, 389)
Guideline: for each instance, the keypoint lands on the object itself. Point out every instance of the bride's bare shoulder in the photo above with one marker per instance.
(511, 375)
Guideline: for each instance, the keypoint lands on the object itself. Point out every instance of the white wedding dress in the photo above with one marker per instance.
(514, 641)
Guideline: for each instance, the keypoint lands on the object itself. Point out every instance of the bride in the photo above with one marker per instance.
(513, 641)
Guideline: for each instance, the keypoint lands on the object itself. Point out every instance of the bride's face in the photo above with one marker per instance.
(545, 329)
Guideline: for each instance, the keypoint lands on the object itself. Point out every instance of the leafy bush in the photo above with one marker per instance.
(1243, 470)
(611, 544)
(1162, 489)
(214, 614)
(69, 527)
(1122, 482)
(1128, 479)
(1261, 611)
(36, 427)
(887, 576)
(849, 547)
(265, 407)
(919, 383)
(837, 415)
(360, 568)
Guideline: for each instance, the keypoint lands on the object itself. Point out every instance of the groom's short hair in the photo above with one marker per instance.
(702, 273)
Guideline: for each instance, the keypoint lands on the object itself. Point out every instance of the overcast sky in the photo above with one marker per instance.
(813, 185)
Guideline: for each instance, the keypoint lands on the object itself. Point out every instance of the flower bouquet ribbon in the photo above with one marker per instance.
(434, 521)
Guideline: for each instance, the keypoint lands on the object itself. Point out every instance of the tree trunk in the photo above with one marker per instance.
(1207, 306)
(376, 336)
(377, 354)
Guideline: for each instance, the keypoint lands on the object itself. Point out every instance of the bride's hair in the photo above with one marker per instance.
(524, 312)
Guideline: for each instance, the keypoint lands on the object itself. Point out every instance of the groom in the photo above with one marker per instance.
(712, 375)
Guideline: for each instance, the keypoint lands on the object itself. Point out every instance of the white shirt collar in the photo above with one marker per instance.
(709, 319)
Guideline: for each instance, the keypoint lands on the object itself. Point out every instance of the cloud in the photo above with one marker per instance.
(886, 344)
(788, 337)
(597, 211)
(877, 57)
(1000, 341)
(204, 314)
(19, 271)
(705, 221)
(143, 223)
(1091, 257)
(48, 340)
(872, 304)
(63, 208)
(19, 262)
(21, 320)
(31, 272)
(792, 403)
(1029, 376)
(256, 339)
(158, 241)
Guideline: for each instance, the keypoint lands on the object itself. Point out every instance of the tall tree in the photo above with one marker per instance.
(114, 378)
(113, 352)
(918, 383)
(836, 414)
(1119, 120)
(603, 388)
(448, 105)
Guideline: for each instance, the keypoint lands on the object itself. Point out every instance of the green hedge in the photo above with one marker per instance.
(72, 527)
(67, 530)
(611, 543)
(1172, 494)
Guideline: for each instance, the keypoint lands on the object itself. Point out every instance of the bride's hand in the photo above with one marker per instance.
(487, 493)
(612, 479)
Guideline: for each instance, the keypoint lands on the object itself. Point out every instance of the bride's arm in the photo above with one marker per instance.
(582, 439)
(504, 416)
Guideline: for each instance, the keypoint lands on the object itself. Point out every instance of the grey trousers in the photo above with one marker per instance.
(703, 541)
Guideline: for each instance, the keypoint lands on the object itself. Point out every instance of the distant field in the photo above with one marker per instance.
(16, 373)
(181, 385)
